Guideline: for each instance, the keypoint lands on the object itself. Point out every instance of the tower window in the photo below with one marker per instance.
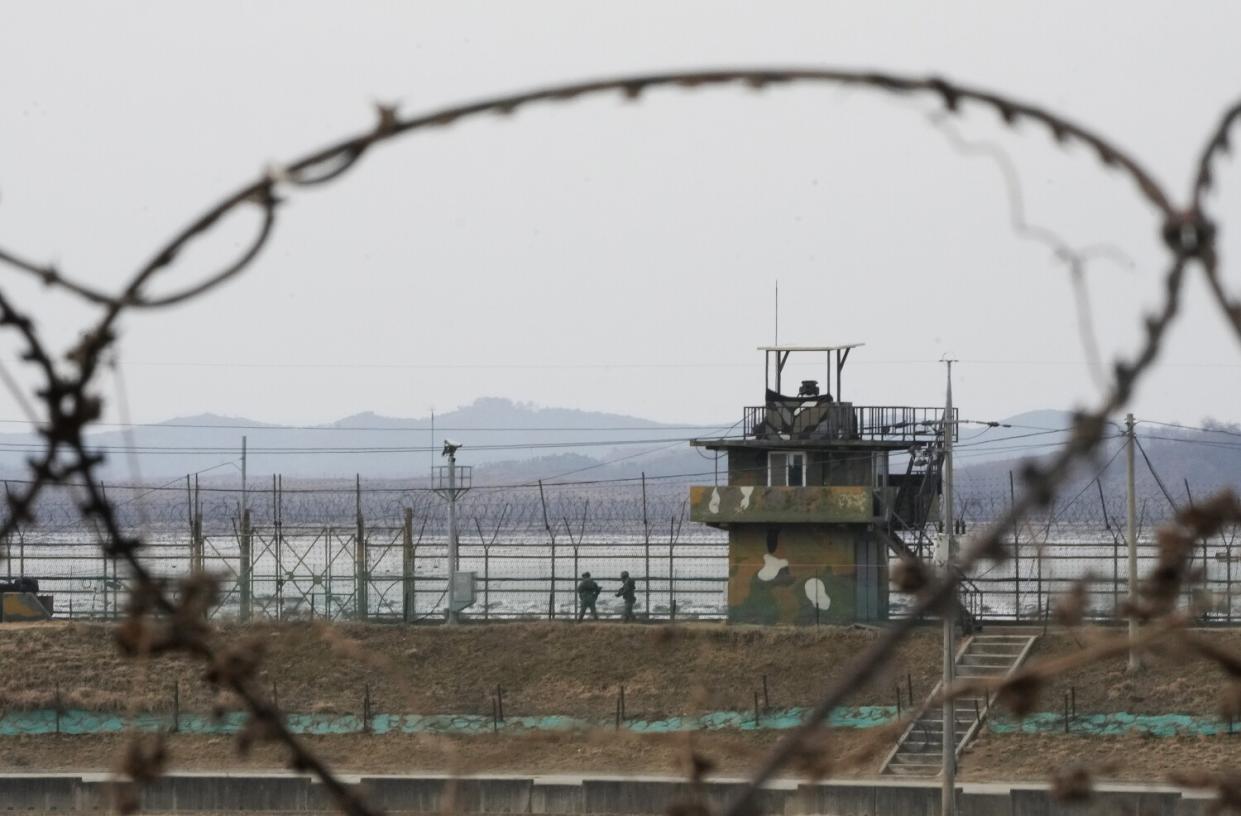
(786, 469)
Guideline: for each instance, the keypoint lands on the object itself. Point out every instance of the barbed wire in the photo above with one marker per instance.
(614, 507)
(157, 623)
(1075, 258)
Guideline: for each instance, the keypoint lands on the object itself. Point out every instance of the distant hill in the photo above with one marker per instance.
(492, 430)
(1019, 436)
(1183, 461)
(519, 443)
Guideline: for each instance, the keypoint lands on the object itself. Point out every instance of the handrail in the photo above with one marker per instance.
(976, 726)
(922, 708)
(893, 423)
(973, 595)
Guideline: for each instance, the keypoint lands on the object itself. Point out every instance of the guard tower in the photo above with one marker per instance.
(820, 491)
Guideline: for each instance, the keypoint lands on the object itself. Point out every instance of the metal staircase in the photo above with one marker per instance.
(919, 751)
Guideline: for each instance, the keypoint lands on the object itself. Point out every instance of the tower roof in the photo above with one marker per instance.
(844, 347)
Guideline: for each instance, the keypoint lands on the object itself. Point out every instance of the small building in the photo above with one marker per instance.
(820, 493)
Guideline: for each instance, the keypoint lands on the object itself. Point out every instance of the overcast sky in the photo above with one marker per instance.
(602, 254)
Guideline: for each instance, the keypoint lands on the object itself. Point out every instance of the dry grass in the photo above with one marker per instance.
(1132, 757)
(545, 668)
(557, 668)
(560, 668)
(1171, 682)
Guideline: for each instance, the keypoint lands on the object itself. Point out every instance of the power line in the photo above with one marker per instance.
(1056, 514)
(264, 426)
(1031, 446)
(32, 447)
(604, 463)
(1151, 467)
(1224, 431)
(1210, 443)
(1041, 432)
(397, 428)
(22, 447)
(521, 485)
(607, 365)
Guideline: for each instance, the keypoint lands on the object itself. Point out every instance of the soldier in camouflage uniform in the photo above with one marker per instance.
(587, 593)
(628, 591)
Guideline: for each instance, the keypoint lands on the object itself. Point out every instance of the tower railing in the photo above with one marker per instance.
(844, 421)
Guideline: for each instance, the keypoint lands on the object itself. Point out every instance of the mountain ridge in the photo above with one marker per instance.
(492, 429)
(512, 442)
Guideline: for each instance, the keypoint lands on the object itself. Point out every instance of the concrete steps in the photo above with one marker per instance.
(919, 752)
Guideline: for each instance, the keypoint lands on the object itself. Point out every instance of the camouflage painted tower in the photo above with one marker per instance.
(820, 492)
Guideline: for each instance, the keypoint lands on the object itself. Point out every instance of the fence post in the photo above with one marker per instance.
(278, 523)
(7, 539)
(196, 543)
(646, 533)
(672, 597)
(1206, 569)
(361, 573)
(551, 595)
(197, 546)
(1012, 501)
(103, 561)
(407, 566)
(327, 574)
(1228, 580)
(244, 578)
(1038, 580)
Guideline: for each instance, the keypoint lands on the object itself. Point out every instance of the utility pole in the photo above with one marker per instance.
(1132, 537)
(197, 563)
(948, 801)
(452, 535)
(361, 572)
(450, 485)
(245, 576)
(408, 612)
(243, 474)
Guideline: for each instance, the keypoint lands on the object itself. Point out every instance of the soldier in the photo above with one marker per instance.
(587, 593)
(628, 591)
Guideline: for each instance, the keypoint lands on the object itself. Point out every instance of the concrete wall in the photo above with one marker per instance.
(566, 796)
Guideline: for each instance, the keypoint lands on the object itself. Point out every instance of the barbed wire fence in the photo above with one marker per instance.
(159, 622)
(293, 551)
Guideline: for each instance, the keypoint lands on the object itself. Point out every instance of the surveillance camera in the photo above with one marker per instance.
(450, 447)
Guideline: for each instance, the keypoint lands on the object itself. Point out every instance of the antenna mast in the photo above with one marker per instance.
(777, 313)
